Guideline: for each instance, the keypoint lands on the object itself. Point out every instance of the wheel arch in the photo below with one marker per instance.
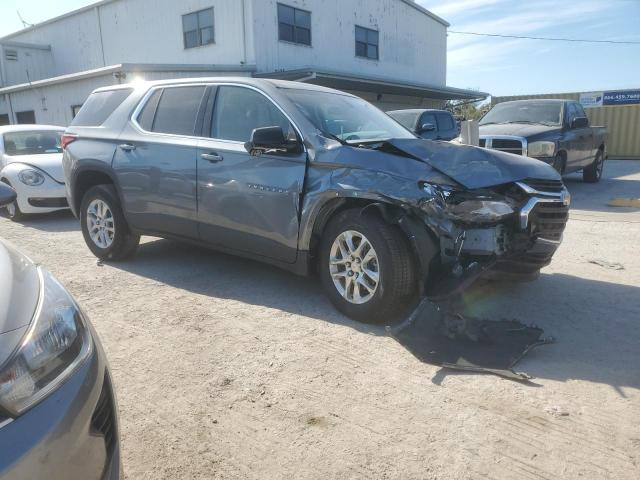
(88, 177)
(423, 243)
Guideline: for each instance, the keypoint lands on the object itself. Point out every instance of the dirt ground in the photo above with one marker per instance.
(225, 368)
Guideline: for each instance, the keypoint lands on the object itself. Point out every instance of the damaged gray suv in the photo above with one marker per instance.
(309, 179)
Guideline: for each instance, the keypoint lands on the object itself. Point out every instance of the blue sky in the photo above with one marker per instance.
(513, 66)
(497, 66)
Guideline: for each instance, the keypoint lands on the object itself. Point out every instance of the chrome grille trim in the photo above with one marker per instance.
(488, 139)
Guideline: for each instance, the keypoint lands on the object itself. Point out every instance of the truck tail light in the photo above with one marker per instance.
(66, 139)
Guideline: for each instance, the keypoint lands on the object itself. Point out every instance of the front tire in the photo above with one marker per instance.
(593, 173)
(559, 164)
(366, 267)
(104, 227)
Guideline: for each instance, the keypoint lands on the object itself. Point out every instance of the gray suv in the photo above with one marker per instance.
(308, 179)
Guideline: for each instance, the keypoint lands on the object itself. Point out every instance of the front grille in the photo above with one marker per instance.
(548, 220)
(507, 145)
(554, 186)
(103, 421)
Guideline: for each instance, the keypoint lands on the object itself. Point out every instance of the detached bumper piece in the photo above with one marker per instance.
(49, 202)
(437, 336)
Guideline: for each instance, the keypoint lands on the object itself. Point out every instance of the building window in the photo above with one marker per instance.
(367, 43)
(74, 110)
(197, 28)
(4, 119)
(26, 118)
(294, 25)
(11, 55)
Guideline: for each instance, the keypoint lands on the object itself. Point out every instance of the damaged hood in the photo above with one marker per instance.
(50, 163)
(475, 167)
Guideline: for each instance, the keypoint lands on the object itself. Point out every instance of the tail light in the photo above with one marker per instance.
(66, 139)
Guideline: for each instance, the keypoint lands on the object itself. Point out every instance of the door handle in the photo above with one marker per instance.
(127, 147)
(212, 157)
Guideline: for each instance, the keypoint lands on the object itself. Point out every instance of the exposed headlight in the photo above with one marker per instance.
(57, 342)
(541, 149)
(31, 177)
(480, 211)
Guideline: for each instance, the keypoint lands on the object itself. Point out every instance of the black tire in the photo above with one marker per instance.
(13, 210)
(124, 243)
(559, 164)
(593, 173)
(396, 290)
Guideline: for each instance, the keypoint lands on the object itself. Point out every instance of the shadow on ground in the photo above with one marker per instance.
(621, 179)
(56, 222)
(595, 323)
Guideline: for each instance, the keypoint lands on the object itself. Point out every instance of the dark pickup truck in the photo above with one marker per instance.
(556, 132)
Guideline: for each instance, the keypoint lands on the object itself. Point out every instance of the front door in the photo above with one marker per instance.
(248, 203)
(156, 168)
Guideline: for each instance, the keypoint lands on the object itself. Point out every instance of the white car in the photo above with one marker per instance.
(31, 163)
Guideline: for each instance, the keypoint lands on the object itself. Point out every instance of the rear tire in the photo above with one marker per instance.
(384, 260)
(13, 210)
(104, 227)
(593, 173)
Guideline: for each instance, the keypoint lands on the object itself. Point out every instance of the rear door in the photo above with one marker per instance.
(155, 161)
(245, 202)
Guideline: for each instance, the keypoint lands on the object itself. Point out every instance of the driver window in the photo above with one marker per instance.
(239, 110)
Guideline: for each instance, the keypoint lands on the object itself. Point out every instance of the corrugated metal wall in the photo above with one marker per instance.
(622, 122)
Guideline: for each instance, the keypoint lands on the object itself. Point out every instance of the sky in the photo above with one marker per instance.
(494, 65)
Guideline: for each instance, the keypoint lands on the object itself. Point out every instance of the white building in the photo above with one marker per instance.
(391, 52)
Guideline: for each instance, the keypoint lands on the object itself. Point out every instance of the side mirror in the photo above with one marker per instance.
(427, 127)
(269, 138)
(580, 122)
(7, 194)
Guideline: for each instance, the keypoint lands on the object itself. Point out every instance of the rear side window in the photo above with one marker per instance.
(177, 110)
(99, 106)
(240, 110)
(445, 122)
(148, 113)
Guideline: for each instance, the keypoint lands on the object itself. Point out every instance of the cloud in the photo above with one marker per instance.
(450, 8)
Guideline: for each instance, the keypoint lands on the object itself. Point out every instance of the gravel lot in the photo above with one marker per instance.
(225, 368)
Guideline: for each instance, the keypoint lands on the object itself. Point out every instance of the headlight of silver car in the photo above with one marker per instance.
(56, 344)
(541, 149)
(31, 177)
(481, 211)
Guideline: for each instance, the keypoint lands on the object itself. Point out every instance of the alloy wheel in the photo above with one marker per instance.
(354, 267)
(100, 223)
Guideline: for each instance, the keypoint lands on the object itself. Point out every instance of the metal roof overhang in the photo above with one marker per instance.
(341, 81)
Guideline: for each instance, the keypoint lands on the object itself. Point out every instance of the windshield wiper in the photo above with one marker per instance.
(334, 137)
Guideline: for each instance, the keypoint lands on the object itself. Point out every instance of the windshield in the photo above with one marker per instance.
(32, 142)
(543, 113)
(347, 118)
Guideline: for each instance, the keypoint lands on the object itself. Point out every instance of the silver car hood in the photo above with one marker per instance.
(50, 163)
(19, 294)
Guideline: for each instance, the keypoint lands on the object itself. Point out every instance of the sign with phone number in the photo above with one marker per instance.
(628, 97)
(604, 99)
